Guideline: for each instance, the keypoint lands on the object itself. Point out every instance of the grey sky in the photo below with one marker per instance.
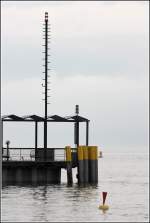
(99, 61)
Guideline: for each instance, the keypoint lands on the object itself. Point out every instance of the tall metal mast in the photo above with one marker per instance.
(46, 30)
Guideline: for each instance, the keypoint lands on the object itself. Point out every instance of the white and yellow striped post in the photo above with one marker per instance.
(69, 165)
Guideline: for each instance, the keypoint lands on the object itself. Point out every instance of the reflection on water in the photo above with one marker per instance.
(122, 176)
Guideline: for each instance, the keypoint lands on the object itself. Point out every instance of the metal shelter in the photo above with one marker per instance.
(76, 119)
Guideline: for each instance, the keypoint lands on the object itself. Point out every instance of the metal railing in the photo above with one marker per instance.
(31, 154)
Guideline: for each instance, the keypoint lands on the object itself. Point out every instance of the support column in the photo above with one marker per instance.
(86, 164)
(77, 126)
(69, 165)
(2, 134)
(93, 164)
(80, 165)
(36, 138)
(87, 133)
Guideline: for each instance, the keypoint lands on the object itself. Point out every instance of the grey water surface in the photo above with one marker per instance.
(123, 176)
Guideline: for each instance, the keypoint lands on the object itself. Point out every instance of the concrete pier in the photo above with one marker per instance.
(38, 171)
(31, 172)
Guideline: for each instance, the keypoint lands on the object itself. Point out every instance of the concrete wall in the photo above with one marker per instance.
(32, 174)
(44, 155)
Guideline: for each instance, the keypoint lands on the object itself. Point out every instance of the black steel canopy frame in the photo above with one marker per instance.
(54, 118)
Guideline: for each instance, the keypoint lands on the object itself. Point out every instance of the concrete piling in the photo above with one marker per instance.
(69, 165)
(80, 165)
(93, 164)
(86, 164)
(18, 173)
(34, 176)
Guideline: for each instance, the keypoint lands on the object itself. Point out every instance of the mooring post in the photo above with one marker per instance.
(80, 165)
(69, 165)
(96, 164)
(2, 135)
(86, 164)
(93, 164)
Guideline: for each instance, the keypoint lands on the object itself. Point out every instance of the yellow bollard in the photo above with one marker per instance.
(80, 153)
(85, 152)
(93, 164)
(86, 164)
(68, 153)
(93, 152)
(80, 165)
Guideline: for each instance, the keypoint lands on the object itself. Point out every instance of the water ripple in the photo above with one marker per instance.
(127, 196)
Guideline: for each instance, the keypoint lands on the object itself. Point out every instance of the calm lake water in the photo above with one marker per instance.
(123, 176)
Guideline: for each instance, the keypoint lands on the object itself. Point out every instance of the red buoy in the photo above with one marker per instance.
(104, 207)
(104, 197)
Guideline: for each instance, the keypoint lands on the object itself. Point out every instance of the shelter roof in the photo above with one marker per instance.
(52, 118)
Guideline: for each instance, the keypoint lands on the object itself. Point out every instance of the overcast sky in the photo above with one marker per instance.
(99, 60)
